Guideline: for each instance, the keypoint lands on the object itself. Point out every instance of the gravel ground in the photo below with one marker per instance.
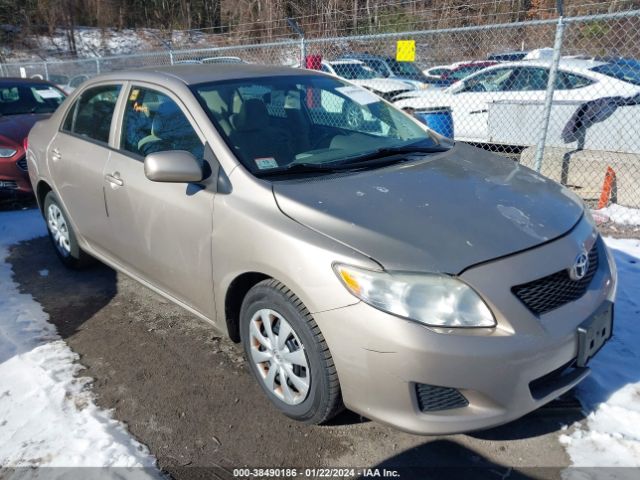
(185, 392)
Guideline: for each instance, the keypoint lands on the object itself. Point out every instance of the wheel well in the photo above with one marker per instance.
(233, 300)
(41, 191)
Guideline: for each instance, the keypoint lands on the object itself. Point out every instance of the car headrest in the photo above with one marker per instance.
(168, 118)
(253, 115)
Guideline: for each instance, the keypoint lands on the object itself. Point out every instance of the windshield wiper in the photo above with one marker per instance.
(391, 151)
(294, 168)
(299, 168)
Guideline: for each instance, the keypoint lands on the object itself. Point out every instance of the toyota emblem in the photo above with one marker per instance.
(580, 267)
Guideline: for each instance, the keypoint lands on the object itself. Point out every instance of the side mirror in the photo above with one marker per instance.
(177, 166)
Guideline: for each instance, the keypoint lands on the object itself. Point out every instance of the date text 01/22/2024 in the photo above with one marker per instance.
(314, 473)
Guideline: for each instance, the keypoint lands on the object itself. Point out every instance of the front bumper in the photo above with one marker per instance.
(503, 373)
(14, 178)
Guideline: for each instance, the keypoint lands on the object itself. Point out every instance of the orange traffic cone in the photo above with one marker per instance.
(609, 189)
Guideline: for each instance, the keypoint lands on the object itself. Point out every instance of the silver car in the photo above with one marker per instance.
(375, 265)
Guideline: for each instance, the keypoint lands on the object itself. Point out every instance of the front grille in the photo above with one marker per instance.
(432, 398)
(8, 185)
(555, 290)
(22, 164)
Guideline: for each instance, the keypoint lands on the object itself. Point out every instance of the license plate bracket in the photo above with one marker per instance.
(593, 333)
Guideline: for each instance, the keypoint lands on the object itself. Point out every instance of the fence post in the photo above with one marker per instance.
(303, 54)
(98, 66)
(46, 71)
(171, 57)
(548, 99)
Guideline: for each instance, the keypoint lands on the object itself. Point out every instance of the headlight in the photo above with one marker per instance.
(6, 152)
(435, 300)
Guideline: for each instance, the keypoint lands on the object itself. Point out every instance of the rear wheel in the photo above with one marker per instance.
(288, 354)
(62, 235)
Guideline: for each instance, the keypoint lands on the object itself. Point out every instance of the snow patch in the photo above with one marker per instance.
(610, 435)
(619, 214)
(47, 413)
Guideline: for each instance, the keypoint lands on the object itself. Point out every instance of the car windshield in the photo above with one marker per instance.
(464, 72)
(625, 71)
(277, 124)
(20, 98)
(353, 71)
(405, 69)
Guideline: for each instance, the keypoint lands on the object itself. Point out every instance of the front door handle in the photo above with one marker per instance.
(114, 179)
(55, 155)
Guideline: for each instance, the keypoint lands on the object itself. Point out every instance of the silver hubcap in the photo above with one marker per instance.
(354, 116)
(279, 355)
(59, 230)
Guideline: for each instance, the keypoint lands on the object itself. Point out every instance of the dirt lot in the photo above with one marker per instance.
(186, 393)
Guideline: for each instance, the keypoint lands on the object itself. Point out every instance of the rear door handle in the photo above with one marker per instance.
(114, 179)
(55, 155)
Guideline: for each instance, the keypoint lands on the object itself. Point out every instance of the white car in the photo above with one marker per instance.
(470, 99)
(360, 74)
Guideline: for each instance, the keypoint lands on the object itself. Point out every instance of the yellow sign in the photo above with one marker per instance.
(406, 51)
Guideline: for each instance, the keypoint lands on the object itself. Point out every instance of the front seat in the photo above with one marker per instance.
(254, 136)
(165, 121)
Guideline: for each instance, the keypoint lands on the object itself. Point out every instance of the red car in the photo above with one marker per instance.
(22, 103)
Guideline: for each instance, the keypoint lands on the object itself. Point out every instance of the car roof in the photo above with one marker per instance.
(27, 81)
(474, 63)
(567, 63)
(343, 61)
(202, 73)
(366, 56)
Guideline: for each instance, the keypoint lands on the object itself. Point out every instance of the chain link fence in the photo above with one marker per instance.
(559, 95)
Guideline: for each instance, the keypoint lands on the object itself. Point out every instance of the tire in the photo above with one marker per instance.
(62, 235)
(271, 302)
(353, 115)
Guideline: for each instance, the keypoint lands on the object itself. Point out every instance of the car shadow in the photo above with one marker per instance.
(445, 459)
(69, 297)
(547, 419)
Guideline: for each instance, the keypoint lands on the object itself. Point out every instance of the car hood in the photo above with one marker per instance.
(383, 85)
(442, 213)
(431, 98)
(16, 127)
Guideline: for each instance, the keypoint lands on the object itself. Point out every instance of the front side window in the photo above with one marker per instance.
(153, 123)
(529, 79)
(497, 80)
(22, 98)
(92, 113)
(305, 119)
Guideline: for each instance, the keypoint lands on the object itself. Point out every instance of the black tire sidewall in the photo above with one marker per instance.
(262, 297)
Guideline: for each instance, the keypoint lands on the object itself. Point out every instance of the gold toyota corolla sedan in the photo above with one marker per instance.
(361, 259)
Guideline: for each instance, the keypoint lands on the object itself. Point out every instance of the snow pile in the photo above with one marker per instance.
(47, 413)
(610, 436)
(619, 214)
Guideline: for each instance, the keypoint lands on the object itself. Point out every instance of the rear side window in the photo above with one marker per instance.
(91, 114)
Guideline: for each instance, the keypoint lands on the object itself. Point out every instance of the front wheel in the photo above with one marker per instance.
(288, 355)
(62, 235)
